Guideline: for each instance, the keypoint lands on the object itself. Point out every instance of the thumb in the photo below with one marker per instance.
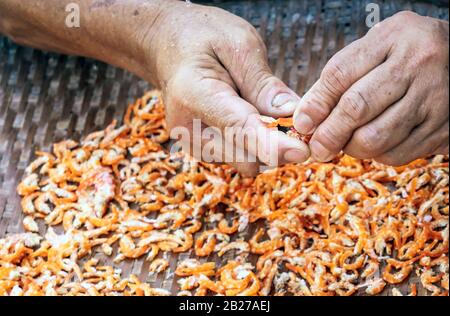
(249, 69)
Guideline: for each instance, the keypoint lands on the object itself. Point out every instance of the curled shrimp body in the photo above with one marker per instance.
(28, 201)
(263, 247)
(397, 277)
(158, 266)
(96, 189)
(194, 267)
(240, 246)
(375, 286)
(28, 185)
(207, 241)
(30, 224)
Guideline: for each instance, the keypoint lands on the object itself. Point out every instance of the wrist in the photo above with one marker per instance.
(126, 34)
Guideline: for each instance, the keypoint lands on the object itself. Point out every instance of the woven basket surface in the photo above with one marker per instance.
(45, 97)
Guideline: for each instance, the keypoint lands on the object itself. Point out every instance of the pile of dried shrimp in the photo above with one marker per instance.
(341, 228)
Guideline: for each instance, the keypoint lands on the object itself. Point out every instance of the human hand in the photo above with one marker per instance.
(385, 96)
(212, 66)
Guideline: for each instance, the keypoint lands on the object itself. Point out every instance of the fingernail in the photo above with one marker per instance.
(305, 124)
(282, 100)
(320, 152)
(295, 155)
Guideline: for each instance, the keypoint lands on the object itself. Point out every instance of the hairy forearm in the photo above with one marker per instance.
(109, 30)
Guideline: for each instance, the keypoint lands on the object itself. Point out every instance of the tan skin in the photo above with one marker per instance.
(212, 65)
(392, 104)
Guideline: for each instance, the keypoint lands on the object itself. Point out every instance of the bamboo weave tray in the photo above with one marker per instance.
(45, 98)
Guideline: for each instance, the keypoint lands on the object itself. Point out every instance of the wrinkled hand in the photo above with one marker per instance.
(385, 96)
(212, 65)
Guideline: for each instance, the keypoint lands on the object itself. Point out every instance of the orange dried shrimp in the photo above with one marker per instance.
(342, 228)
(286, 124)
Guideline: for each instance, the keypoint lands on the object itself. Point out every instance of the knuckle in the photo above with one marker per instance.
(396, 23)
(397, 73)
(329, 138)
(335, 77)
(355, 106)
(369, 140)
(404, 16)
(402, 19)
(234, 120)
(258, 75)
(248, 36)
(259, 81)
(431, 52)
(250, 74)
(315, 109)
